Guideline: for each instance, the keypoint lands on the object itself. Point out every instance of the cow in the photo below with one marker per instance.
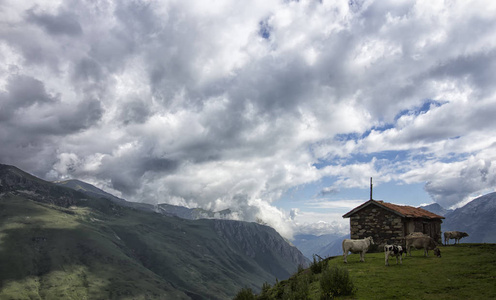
(393, 250)
(419, 242)
(357, 246)
(456, 235)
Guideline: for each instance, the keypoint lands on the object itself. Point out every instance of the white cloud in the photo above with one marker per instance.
(231, 104)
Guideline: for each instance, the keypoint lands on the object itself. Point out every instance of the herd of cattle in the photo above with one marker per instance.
(416, 240)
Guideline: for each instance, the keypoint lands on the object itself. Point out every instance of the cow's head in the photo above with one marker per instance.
(437, 252)
(463, 234)
(371, 240)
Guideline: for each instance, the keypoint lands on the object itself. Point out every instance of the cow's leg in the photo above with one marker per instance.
(401, 262)
(362, 255)
(387, 259)
(426, 252)
(345, 254)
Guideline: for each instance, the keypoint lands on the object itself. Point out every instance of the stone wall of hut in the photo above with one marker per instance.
(384, 226)
(387, 227)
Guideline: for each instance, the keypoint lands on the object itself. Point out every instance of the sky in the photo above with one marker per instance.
(281, 111)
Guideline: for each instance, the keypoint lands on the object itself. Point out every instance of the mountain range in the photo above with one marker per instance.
(69, 242)
(477, 218)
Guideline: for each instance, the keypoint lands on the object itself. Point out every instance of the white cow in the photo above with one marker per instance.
(357, 246)
(393, 250)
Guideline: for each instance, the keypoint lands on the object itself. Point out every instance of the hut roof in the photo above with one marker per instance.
(404, 211)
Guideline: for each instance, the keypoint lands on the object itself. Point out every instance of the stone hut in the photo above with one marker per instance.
(390, 223)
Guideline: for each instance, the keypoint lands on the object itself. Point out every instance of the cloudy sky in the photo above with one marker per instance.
(279, 110)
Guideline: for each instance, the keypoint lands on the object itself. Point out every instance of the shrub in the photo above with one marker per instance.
(300, 268)
(318, 264)
(336, 281)
(265, 293)
(300, 287)
(245, 294)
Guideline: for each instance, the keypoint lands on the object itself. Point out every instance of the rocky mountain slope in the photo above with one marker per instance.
(477, 218)
(57, 242)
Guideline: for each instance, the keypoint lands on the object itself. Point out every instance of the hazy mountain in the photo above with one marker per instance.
(477, 218)
(437, 209)
(60, 243)
(324, 245)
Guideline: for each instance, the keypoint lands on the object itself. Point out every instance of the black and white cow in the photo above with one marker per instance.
(393, 250)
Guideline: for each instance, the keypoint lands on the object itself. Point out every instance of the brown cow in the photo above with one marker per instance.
(456, 235)
(419, 242)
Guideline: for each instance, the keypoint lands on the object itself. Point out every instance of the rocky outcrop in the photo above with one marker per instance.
(262, 243)
(16, 181)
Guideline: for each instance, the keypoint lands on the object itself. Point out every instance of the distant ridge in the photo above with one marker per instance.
(163, 208)
(437, 209)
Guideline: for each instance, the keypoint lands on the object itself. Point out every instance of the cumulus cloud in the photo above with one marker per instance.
(229, 104)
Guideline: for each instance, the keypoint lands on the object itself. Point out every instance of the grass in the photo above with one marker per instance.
(465, 271)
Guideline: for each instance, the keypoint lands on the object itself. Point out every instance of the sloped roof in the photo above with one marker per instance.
(404, 211)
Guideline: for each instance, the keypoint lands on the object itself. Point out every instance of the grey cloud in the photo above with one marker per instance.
(329, 191)
(23, 91)
(33, 122)
(126, 173)
(64, 23)
(134, 111)
(86, 114)
(138, 18)
(88, 69)
(474, 177)
(156, 164)
(478, 67)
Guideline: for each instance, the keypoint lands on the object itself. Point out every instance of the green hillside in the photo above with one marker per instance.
(465, 271)
(113, 252)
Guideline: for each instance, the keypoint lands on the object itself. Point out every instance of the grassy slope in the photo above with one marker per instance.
(49, 252)
(465, 271)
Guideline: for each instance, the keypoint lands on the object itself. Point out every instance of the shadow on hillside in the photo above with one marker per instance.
(17, 209)
(48, 252)
(64, 262)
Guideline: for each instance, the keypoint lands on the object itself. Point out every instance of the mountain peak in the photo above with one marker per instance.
(437, 209)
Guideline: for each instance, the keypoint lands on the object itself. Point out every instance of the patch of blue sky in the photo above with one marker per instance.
(305, 197)
(427, 105)
(264, 29)
(422, 109)
(361, 158)
(454, 157)
(412, 194)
